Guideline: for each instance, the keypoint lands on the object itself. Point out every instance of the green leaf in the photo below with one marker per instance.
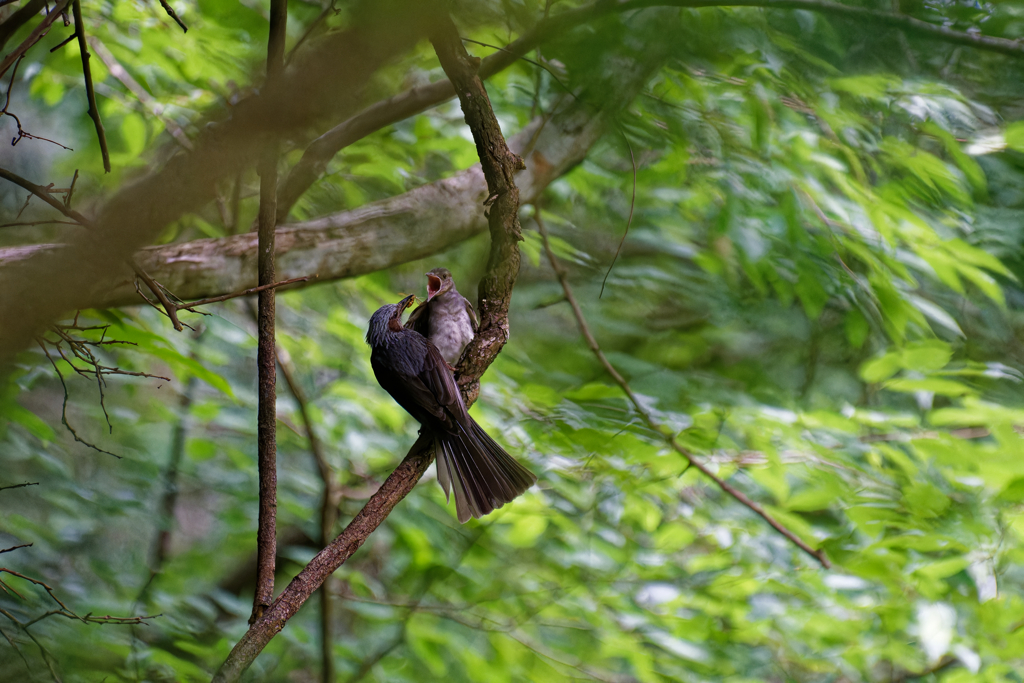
(1014, 136)
(882, 368)
(925, 500)
(925, 356)
(942, 387)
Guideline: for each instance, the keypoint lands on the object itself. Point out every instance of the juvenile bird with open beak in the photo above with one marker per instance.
(446, 318)
(469, 462)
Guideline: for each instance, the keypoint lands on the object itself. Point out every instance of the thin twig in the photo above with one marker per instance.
(173, 15)
(662, 431)
(252, 290)
(309, 30)
(629, 221)
(90, 92)
(20, 224)
(522, 58)
(65, 612)
(941, 665)
(71, 191)
(44, 193)
(63, 42)
(170, 308)
(18, 486)
(15, 547)
(22, 133)
(64, 405)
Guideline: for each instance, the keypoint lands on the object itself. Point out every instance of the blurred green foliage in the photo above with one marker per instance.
(819, 294)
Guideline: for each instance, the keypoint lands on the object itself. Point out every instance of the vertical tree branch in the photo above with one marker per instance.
(266, 535)
(499, 166)
(90, 92)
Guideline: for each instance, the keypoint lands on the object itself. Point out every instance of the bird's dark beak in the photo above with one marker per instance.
(433, 285)
(405, 303)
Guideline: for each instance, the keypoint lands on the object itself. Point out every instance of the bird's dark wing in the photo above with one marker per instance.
(419, 319)
(472, 315)
(430, 395)
(437, 377)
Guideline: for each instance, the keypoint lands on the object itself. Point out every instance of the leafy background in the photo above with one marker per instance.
(819, 293)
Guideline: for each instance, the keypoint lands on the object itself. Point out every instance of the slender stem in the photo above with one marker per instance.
(247, 292)
(662, 431)
(266, 535)
(90, 92)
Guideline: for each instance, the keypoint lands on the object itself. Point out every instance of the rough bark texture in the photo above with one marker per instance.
(266, 351)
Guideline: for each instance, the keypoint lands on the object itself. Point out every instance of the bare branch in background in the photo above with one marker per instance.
(660, 429)
(45, 193)
(147, 100)
(60, 610)
(80, 356)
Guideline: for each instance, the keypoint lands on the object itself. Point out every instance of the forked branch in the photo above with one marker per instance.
(499, 166)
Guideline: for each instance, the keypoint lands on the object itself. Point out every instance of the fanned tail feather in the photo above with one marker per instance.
(481, 474)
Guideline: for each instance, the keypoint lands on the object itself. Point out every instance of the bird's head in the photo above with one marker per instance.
(387, 320)
(439, 281)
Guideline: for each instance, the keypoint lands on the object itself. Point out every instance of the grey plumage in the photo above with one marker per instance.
(446, 318)
(469, 463)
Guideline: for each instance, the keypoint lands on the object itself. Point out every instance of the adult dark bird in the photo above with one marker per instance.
(446, 318)
(410, 368)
